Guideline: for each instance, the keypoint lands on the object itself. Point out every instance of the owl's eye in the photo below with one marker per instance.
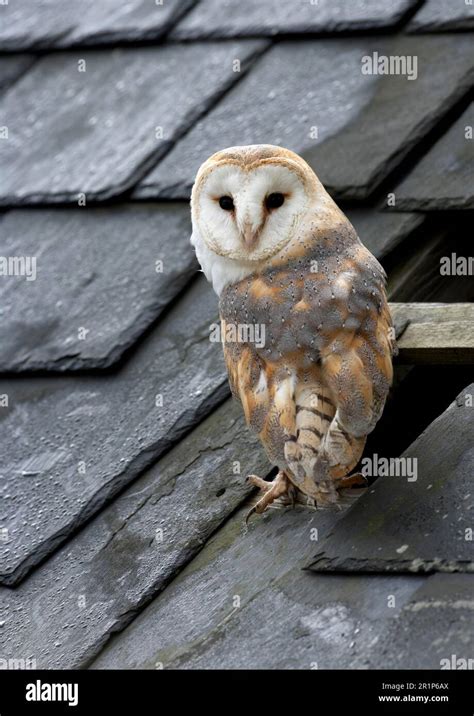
(274, 201)
(226, 203)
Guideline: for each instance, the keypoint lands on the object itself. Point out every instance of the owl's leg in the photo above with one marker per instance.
(259, 482)
(281, 485)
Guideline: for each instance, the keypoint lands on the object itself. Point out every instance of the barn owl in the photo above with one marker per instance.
(284, 259)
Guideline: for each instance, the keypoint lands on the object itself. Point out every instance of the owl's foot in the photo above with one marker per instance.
(356, 480)
(280, 486)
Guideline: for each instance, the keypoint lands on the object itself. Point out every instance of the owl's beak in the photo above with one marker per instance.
(250, 235)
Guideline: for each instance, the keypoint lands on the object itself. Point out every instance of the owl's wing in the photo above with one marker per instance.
(357, 367)
(247, 379)
(342, 322)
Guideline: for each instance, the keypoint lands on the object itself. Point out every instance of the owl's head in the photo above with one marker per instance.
(247, 203)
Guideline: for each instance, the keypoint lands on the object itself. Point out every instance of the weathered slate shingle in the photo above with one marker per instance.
(365, 123)
(441, 15)
(68, 444)
(94, 585)
(44, 24)
(226, 18)
(244, 602)
(93, 123)
(443, 178)
(418, 517)
(434, 630)
(98, 278)
(399, 115)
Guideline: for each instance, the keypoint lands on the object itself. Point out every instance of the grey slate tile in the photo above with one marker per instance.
(366, 124)
(97, 283)
(380, 231)
(443, 178)
(34, 24)
(442, 15)
(244, 602)
(418, 520)
(399, 114)
(68, 444)
(13, 67)
(94, 585)
(96, 132)
(46, 24)
(434, 630)
(218, 18)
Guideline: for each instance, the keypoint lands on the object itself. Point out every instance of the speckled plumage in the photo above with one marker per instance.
(317, 386)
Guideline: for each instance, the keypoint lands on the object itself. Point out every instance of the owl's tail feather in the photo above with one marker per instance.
(321, 450)
(303, 452)
(343, 450)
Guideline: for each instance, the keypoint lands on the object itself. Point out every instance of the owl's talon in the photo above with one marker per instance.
(249, 515)
(271, 491)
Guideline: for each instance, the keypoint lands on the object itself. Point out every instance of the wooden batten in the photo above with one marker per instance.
(434, 333)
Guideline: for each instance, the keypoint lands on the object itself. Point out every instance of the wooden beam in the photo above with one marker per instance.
(440, 333)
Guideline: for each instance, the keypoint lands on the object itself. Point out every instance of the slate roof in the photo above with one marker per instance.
(122, 456)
